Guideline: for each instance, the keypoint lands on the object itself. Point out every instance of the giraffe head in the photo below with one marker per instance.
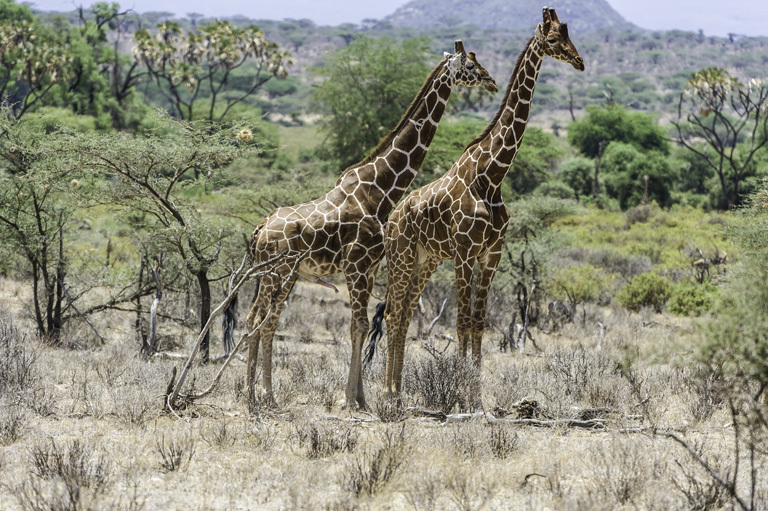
(467, 70)
(553, 37)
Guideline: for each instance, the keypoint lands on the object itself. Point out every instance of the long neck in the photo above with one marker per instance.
(385, 175)
(496, 148)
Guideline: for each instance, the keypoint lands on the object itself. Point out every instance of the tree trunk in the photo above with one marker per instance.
(141, 334)
(152, 342)
(596, 183)
(61, 272)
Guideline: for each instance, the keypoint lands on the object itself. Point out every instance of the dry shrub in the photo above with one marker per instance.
(176, 453)
(368, 474)
(70, 478)
(585, 376)
(502, 440)
(385, 408)
(442, 382)
(701, 491)
(705, 389)
(76, 462)
(623, 468)
(479, 440)
(115, 382)
(13, 421)
(218, 435)
(18, 360)
(19, 373)
(322, 441)
(470, 489)
(424, 490)
(261, 436)
(314, 381)
(463, 437)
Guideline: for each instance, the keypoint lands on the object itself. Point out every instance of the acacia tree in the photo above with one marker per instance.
(33, 221)
(195, 66)
(39, 198)
(151, 178)
(32, 62)
(732, 121)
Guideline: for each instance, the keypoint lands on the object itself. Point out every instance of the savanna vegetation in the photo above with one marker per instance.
(138, 152)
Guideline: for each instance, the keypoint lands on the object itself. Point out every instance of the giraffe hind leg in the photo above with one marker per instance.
(256, 318)
(359, 285)
(269, 335)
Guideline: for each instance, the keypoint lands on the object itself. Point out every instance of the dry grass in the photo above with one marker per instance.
(83, 429)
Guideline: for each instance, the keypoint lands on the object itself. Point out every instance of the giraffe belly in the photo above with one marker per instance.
(319, 265)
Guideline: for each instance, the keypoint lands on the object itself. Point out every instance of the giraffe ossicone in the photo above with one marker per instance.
(343, 231)
(462, 216)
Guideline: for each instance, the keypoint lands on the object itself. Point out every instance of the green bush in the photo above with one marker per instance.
(645, 290)
(555, 188)
(689, 299)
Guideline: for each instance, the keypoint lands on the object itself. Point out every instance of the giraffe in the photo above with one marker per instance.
(462, 216)
(343, 231)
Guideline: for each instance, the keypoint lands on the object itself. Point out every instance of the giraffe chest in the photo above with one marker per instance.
(450, 217)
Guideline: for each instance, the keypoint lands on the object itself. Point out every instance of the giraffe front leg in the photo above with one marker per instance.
(487, 266)
(464, 266)
(400, 267)
(419, 279)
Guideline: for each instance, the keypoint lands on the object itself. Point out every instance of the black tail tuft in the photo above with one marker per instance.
(376, 333)
(228, 325)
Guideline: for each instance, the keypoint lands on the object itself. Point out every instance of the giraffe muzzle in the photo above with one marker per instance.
(489, 84)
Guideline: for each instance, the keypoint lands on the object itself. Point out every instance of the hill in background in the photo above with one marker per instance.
(582, 15)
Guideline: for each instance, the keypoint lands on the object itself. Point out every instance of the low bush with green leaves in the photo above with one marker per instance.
(690, 299)
(645, 290)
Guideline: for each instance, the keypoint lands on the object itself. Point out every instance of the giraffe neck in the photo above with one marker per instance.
(385, 175)
(503, 137)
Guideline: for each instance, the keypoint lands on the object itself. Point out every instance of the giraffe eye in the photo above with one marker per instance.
(552, 40)
(470, 66)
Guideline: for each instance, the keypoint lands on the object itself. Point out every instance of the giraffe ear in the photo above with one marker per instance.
(459, 46)
(546, 21)
(446, 54)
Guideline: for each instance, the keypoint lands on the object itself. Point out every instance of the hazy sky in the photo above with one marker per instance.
(715, 17)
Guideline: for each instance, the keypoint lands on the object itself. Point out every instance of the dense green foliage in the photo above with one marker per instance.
(537, 157)
(366, 88)
(691, 299)
(645, 290)
(736, 338)
(614, 123)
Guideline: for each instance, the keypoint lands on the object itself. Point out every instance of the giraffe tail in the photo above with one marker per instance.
(228, 324)
(375, 334)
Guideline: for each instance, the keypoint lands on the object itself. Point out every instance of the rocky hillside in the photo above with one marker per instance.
(582, 15)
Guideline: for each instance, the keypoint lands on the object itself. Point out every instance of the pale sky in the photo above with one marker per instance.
(715, 17)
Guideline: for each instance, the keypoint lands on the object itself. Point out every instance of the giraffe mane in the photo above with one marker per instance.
(503, 105)
(401, 124)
